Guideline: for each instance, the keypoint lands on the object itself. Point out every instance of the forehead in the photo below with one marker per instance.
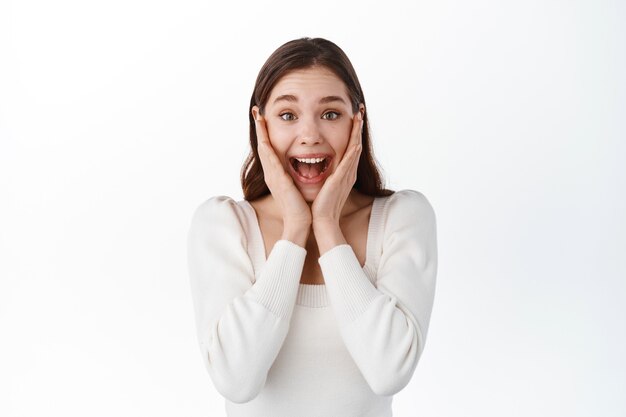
(310, 84)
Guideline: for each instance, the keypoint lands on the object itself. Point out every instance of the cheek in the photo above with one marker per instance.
(339, 137)
(280, 140)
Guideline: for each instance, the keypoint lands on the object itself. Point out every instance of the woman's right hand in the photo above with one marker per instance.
(295, 210)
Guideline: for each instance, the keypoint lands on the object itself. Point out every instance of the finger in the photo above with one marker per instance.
(357, 129)
(354, 141)
(348, 163)
(350, 173)
(355, 163)
(261, 130)
(261, 143)
(265, 147)
(273, 170)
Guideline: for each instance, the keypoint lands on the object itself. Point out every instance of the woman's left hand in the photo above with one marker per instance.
(328, 205)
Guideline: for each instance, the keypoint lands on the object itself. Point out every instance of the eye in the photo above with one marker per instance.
(289, 117)
(333, 115)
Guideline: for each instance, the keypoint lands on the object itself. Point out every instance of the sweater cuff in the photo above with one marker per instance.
(349, 289)
(278, 283)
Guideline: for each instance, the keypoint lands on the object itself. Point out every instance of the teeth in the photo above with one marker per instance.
(310, 160)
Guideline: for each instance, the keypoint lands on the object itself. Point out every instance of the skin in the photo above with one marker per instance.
(312, 215)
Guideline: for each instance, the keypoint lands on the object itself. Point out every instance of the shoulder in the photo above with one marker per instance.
(409, 228)
(413, 201)
(408, 207)
(218, 210)
(218, 202)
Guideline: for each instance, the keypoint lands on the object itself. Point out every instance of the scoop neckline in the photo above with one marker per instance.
(368, 244)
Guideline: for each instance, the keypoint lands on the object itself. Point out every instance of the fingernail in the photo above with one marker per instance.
(360, 116)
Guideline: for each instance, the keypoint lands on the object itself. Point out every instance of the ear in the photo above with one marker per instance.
(362, 110)
(255, 112)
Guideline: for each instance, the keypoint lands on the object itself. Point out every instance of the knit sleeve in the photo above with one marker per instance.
(384, 326)
(241, 324)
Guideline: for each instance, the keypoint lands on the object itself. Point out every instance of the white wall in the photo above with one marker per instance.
(118, 118)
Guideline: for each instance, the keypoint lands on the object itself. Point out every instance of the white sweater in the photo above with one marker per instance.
(276, 348)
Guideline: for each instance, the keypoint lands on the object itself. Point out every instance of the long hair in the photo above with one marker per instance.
(301, 54)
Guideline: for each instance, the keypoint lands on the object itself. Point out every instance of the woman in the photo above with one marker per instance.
(312, 295)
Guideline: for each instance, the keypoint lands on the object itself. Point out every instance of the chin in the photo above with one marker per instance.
(309, 195)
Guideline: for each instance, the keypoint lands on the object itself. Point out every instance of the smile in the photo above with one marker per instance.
(309, 170)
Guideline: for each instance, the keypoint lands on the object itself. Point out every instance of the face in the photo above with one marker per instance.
(309, 114)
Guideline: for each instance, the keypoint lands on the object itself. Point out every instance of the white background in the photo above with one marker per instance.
(118, 118)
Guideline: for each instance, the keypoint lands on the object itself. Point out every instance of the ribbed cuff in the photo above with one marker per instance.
(277, 285)
(349, 289)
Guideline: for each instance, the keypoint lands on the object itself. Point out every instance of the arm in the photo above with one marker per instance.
(241, 326)
(384, 327)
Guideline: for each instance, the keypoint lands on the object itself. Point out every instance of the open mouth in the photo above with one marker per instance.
(310, 168)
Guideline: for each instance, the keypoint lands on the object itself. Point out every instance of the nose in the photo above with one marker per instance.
(309, 133)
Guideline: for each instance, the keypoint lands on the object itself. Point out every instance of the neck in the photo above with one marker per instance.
(351, 205)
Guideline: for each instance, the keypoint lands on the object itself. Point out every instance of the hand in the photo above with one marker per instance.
(294, 208)
(328, 205)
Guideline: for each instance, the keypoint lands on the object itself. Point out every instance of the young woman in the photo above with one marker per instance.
(312, 295)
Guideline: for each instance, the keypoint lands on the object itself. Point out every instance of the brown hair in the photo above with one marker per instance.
(300, 54)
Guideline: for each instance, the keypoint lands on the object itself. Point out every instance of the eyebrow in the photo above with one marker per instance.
(323, 100)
